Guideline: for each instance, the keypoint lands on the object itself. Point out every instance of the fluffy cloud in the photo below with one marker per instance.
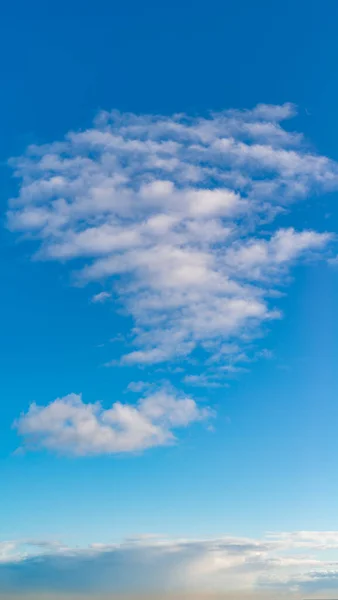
(68, 425)
(152, 564)
(173, 211)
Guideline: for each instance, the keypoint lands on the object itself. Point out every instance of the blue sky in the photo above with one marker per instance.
(175, 262)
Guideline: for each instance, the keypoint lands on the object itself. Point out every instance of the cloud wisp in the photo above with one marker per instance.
(101, 297)
(173, 212)
(286, 563)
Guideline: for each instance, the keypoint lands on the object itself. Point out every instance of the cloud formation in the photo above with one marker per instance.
(286, 562)
(70, 426)
(178, 213)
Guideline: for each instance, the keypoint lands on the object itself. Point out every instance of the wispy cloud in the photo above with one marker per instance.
(173, 211)
(201, 381)
(138, 386)
(70, 426)
(101, 297)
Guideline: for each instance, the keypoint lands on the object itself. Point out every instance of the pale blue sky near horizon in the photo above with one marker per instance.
(269, 461)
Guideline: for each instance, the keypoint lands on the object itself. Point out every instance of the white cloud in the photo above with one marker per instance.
(70, 426)
(156, 564)
(259, 259)
(321, 540)
(101, 297)
(174, 210)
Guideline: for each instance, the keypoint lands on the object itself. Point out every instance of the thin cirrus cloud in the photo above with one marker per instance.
(172, 212)
(70, 426)
(280, 563)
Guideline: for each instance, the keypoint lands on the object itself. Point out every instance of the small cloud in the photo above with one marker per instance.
(138, 386)
(155, 355)
(117, 338)
(111, 363)
(233, 369)
(201, 381)
(333, 261)
(101, 297)
(70, 426)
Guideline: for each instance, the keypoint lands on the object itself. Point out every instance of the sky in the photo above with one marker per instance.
(169, 275)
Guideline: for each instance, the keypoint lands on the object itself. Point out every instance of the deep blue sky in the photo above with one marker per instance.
(271, 463)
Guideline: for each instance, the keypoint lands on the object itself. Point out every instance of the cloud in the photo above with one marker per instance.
(259, 259)
(333, 261)
(70, 426)
(320, 540)
(174, 211)
(138, 386)
(153, 564)
(101, 297)
(201, 381)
